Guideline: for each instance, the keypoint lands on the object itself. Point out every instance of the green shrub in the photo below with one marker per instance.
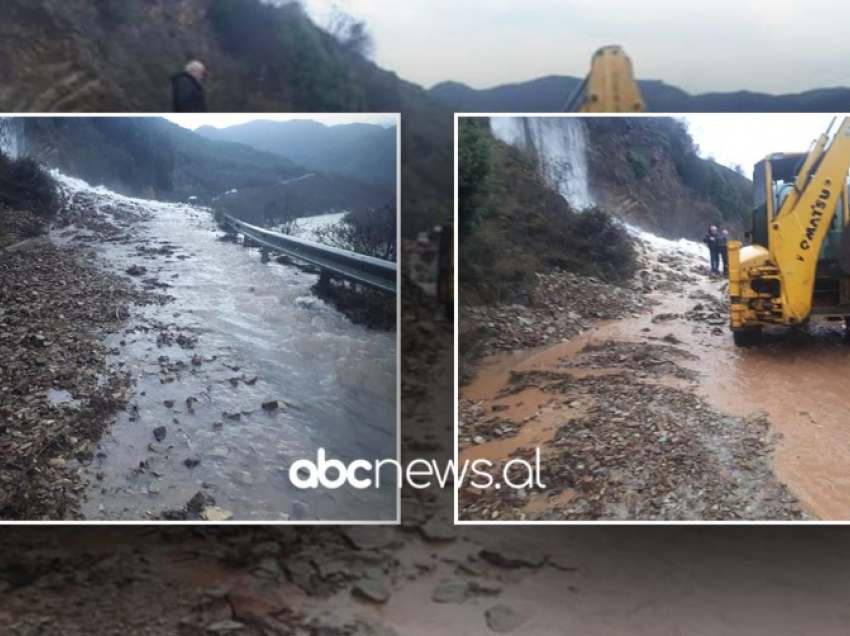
(26, 185)
(475, 168)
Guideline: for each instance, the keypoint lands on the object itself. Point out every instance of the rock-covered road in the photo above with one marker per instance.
(635, 413)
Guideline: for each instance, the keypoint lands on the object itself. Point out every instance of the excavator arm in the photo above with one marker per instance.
(801, 224)
(610, 87)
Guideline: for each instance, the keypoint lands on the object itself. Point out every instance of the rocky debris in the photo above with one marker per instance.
(710, 309)
(52, 301)
(642, 359)
(369, 537)
(18, 225)
(159, 433)
(136, 270)
(646, 451)
(270, 405)
(438, 529)
(513, 557)
(503, 620)
(214, 513)
(564, 305)
(376, 590)
(452, 591)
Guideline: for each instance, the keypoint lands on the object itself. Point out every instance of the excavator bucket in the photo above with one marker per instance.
(610, 87)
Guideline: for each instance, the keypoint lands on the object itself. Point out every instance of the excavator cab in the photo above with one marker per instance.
(610, 87)
(798, 263)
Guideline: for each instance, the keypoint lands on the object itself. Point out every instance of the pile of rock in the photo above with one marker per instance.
(561, 305)
(56, 391)
(18, 225)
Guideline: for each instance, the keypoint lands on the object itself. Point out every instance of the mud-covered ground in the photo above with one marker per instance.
(425, 577)
(615, 414)
(57, 392)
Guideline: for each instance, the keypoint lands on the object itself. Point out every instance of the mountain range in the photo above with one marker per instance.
(550, 95)
(364, 151)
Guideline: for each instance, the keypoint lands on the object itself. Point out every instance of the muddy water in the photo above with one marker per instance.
(251, 320)
(800, 378)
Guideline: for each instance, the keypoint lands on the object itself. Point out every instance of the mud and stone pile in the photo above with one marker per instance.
(560, 306)
(18, 225)
(634, 444)
(57, 393)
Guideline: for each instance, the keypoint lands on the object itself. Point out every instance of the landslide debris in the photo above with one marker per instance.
(57, 392)
(628, 445)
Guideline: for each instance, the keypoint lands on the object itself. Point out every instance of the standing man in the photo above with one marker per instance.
(724, 251)
(187, 89)
(712, 240)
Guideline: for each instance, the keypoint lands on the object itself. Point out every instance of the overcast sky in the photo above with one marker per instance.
(778, 46)
(193, 121)
(744, 139)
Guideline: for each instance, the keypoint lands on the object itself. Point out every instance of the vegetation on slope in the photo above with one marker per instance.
(28, 198)
(26, 185)
(513, 226)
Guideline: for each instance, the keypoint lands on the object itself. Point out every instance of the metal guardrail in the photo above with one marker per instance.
(372, 272)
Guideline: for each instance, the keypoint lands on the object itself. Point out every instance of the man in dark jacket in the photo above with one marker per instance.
(712, 239)
(187, 89)
(724, 251)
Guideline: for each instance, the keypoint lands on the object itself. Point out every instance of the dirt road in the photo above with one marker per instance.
(657, 415)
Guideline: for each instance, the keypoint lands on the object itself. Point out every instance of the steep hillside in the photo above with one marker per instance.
(649, 172)
(152, 157)
(359, 150)
(90, 56)
(550, 94)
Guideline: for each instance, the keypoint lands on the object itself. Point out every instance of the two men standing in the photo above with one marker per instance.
(717, 243)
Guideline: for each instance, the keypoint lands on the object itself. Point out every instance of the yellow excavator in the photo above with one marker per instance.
(610, 87)
(798, 263)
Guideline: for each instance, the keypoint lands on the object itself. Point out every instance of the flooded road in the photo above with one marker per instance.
(238, 334)
(798, 377)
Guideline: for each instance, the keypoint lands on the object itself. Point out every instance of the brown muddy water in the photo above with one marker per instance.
(799, 377)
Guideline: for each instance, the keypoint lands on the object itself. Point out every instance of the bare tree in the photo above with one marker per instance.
(350, 32)
(370, 232)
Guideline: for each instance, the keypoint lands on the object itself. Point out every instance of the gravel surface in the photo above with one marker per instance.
(621, 432)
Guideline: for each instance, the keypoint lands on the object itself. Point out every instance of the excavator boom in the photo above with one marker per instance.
(610, 87)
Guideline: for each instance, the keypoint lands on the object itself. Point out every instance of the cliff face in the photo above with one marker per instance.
(648, 172)
(98, 55)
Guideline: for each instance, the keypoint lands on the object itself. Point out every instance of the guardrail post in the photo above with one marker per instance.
(324, 279)
(265, 255)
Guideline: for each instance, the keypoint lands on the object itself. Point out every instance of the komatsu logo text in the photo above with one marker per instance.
(818, 209)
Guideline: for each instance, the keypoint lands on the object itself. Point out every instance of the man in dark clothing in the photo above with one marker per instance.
(712, 239)
(187, 89)
(724, 251)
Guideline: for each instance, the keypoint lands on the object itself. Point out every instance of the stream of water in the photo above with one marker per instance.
(251, 320)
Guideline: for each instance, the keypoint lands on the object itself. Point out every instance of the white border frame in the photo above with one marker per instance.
(154, 522)
(599, 522)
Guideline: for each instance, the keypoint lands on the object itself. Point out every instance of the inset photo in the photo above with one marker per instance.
(653, 317)
(199, 318)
